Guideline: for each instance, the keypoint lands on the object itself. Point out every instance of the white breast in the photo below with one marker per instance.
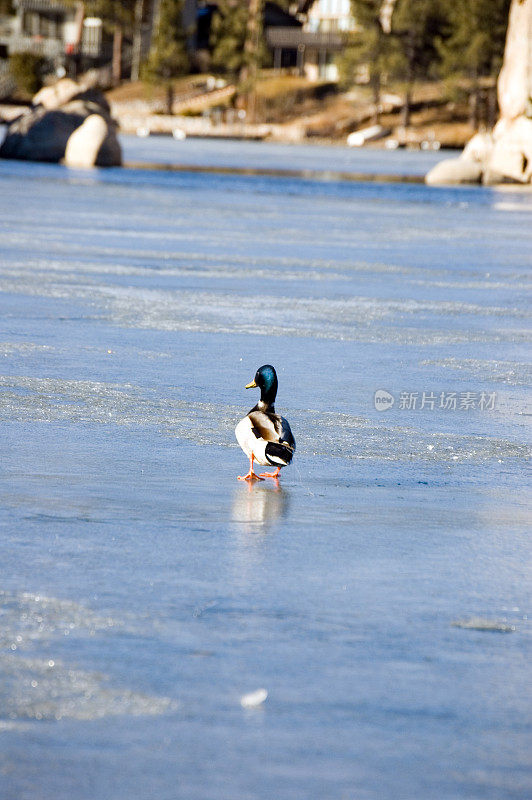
(249, 442)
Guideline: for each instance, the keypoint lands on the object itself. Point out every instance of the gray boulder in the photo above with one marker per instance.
(42, 134)
(53, 97)
(505, 155)
(479, 148)
(93, 144)
(511, 156)
(515, 77)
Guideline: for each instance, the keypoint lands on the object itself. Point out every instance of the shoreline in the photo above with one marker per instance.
(278, 172)
(324, 176)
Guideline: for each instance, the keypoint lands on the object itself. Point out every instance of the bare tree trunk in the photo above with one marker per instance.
(376, 86)
(248, 73)
(514, 86)
(137, 40)
(170, 98)
(117, 54)
(474, 103)
(385, 15)
(492, 107)
(375, 67)
(407, 107)
(474, 109)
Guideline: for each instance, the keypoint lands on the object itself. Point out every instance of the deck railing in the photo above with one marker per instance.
(296, 38)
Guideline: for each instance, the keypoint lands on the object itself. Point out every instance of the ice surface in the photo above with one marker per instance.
(145, 591)
(269, 155)
(253, 699)
(480, 624)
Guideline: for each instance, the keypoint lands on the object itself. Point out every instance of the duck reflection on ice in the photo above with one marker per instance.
(256, 507)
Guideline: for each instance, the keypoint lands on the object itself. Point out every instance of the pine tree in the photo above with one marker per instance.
(417, 26)
(238, 47)
(168, 57)
(369, 48)
(474, 49)
(405, 52)
(450, 39)
(118, 18)
(236, 37)
(228, 35)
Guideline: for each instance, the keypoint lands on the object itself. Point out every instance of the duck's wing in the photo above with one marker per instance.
(265, 426)
(271, 428)
(275, 435)
(281, 452)
(286, 434)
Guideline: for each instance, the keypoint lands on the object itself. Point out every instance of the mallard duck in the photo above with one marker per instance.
(263, 435)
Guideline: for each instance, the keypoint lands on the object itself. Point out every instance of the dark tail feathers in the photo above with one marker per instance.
(279, 455)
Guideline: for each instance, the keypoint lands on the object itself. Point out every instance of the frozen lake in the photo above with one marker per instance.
(274, 156)
(380, 595)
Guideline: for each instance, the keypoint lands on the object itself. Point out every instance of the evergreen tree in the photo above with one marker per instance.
(405, 52)
(474, 49)
(253, 55)
(236, 43)
(228, 36)
(455, 40)
(168, 57)
(112, 13)
(369, 48)
(118, 18)
(417, 26)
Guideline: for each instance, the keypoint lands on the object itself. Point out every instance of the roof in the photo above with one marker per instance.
(43, 6)
(303, 6)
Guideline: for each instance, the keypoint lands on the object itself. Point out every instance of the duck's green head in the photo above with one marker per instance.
(266, 380)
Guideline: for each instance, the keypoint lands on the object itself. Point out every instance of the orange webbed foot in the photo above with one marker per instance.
(274, 475)
(251, 476)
